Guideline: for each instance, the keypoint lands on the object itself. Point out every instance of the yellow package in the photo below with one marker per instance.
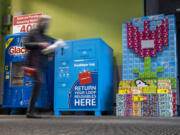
(141, 98)
(163, 91)
(136, 98)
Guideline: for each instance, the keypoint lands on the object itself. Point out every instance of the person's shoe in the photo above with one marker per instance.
(31, 115)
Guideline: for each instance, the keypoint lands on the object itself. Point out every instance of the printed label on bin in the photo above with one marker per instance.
(83, 94)
(15, 50)
(85, 77)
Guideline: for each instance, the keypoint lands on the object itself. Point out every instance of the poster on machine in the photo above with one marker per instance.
(83, 94)
(25, 23)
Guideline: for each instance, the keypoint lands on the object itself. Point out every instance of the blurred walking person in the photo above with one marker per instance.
(35, 42)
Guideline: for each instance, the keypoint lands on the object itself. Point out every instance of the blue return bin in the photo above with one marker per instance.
(84, 77)
(17, 87)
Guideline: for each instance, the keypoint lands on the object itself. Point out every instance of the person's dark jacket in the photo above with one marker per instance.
(34, 57)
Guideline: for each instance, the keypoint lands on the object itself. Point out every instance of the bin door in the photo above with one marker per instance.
(61, 95)
(17, 74)
(84, 50)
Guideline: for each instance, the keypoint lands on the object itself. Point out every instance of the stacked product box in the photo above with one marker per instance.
(174, 103)
(145, 106)
(165, 102)
(161, 31)
(165, 105)
(136, 105)
(120, 104)
(136, 93)
(174, 95)
(154, 105)
(128, 105)
(124, 102)
(150, 57)
(150, 106)
(153, 100)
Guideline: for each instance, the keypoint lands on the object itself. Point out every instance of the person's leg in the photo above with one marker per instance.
(38, 83)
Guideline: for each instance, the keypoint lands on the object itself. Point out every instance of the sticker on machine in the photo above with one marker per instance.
(83, 94)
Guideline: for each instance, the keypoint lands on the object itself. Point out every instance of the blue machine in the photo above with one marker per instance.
(84, 77)
(17, 87)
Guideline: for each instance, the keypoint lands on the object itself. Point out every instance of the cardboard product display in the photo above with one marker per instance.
(149, 65)
(147, 101)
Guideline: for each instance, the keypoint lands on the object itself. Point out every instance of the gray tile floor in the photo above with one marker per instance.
(88, 125)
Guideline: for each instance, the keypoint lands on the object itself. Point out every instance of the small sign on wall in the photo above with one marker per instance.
(25, 23)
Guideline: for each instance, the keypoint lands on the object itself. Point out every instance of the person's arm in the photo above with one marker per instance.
(35, 45)
(30, 42)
